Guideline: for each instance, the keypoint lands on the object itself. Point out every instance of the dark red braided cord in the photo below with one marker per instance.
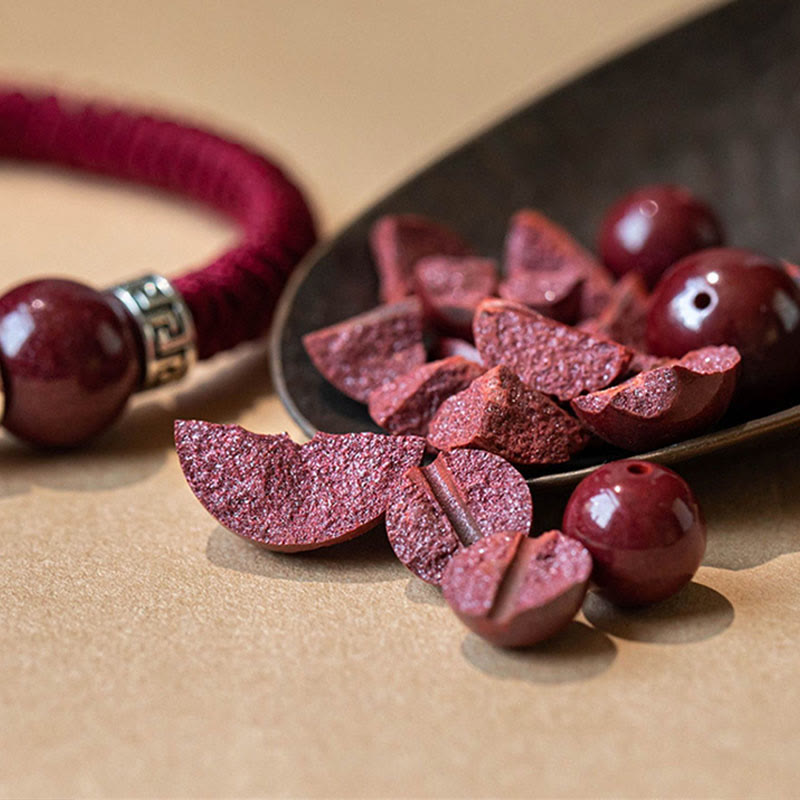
(232, 298)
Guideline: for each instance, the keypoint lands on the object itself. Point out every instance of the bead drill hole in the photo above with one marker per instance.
(638, 469)
(702, 300)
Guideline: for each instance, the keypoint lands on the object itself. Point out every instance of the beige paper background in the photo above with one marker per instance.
(145, 651)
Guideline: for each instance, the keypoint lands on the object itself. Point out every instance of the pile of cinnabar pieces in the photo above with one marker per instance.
(560, 332)
(529, 368)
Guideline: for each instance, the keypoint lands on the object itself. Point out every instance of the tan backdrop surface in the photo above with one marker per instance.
(146, 651)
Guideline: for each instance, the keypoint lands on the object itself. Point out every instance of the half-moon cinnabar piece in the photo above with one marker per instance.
(664, 404)
(292, 497)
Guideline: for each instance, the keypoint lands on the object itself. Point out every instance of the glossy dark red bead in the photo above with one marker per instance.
(651, 228)
(735, 297)
(69, 361)
(643, 527)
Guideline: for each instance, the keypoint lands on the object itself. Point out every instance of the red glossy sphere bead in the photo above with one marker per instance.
(736, 297)
(643, 527)
(651, 228)
(69, 361)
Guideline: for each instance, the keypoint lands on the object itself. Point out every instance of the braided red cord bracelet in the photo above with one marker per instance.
(71, 356)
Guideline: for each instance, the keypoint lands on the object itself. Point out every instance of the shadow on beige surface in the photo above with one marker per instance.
(367, 559)
(694, 614)
(578, 653)
(417, 591)
(751, 489)
(739, 491)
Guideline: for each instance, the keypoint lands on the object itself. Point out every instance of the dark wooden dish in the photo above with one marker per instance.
(714, 105)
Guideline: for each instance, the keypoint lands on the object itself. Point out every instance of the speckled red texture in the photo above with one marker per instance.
(711, 360)
(446, 346)
(535, 243)
(516, 591)
(624, 319)
(291, 497)
(641, 362)
(364, 352)
(547, 355)
(459, 498)
(451, 288)
(502, 415)
(398, 241)
(664, 404)
(408, 404)
(555, 294)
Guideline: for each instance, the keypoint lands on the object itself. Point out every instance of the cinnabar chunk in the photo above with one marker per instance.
(624, 319)
(535, 243)
(455, 501)
(515, 591)
(451, 288)
(366, 351)
(408, 404)
(547, 355)
(499, 413)
(664, 404)
(641, 362)
(398, 241)
(293, 497)
(555, 294)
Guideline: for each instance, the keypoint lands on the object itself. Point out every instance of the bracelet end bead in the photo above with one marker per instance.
(68, 354)
(68, 362)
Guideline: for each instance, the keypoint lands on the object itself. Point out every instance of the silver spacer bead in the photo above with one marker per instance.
(166, 327)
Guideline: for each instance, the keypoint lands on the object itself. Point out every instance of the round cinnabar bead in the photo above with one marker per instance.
(69, 361)
(740, 298)
(644, 528)
(651, 228)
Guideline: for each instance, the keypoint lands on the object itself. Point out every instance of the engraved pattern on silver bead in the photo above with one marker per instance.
(166, 326)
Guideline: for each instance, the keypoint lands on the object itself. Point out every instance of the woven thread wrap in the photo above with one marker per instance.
(233, 297)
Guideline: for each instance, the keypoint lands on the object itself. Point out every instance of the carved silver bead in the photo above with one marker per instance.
(166, 327)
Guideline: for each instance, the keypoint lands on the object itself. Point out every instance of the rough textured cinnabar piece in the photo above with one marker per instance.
(364, 352)
(459, 498)
(535, 243)
(292, 497)
(555, 294)
(548, 355)
(451, 288)
(499, 413)
(516, 591)
(624, 319)
(641, 362)
(408, 404)
(398, 241)
(664, 404)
